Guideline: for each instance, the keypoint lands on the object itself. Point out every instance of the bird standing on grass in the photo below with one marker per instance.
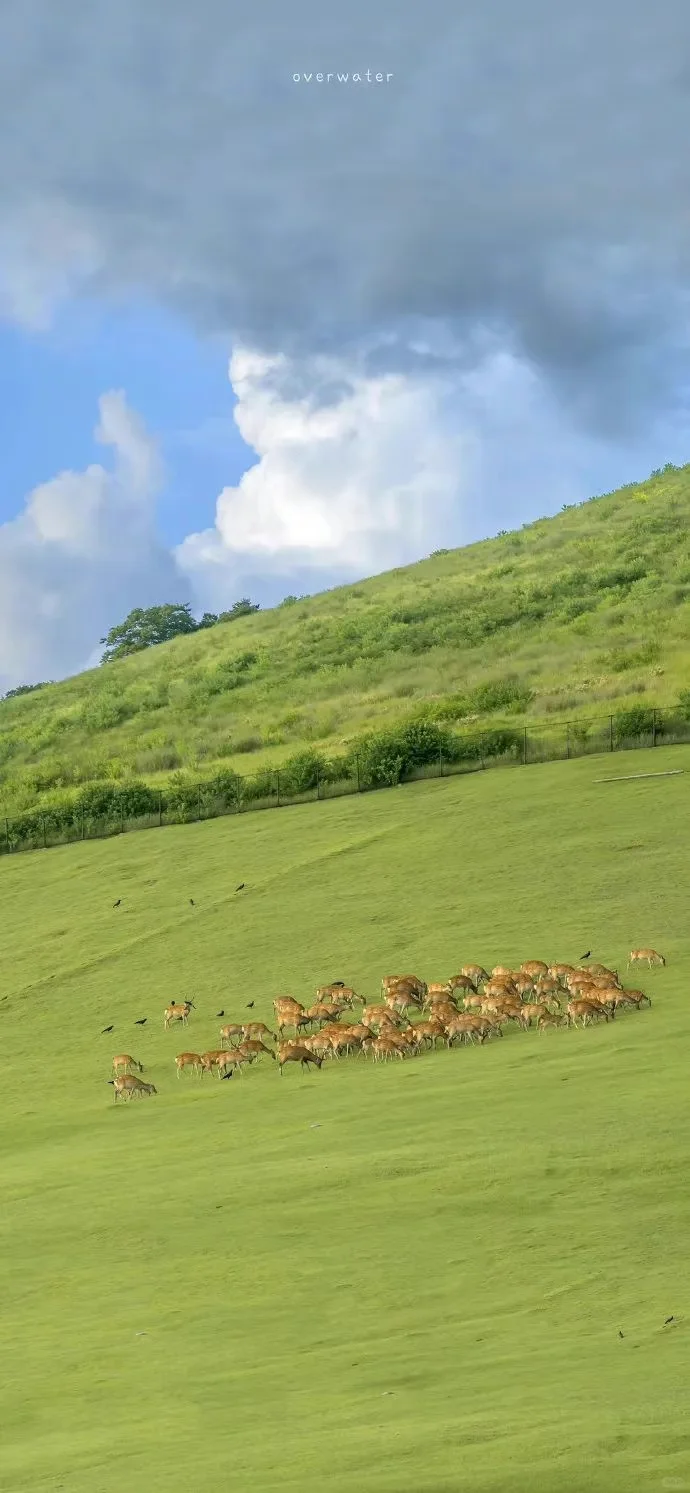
(219, 1013)
(192, 903)
(588, 955)
(117, 904)
(240, 888)
(107, 1029)
(142, 1022)
(249, 1006)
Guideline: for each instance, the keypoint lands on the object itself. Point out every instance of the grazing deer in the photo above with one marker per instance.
(233, 1032)
(645, 956)
(289, 1052)
(252, 1048)
(586, 1011)
(128, 1084)
(124, 1062)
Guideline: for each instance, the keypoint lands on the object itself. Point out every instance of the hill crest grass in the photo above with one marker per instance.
(571, 617)
(391, 1277)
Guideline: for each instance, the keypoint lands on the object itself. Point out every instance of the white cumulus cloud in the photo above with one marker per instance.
(83, 552)
(359, 472)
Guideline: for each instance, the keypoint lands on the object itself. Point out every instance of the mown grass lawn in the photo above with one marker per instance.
(403, 1278)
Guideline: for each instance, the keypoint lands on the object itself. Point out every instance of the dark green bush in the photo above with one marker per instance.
(630, 724)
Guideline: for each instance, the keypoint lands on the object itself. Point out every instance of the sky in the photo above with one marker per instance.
(265, 328)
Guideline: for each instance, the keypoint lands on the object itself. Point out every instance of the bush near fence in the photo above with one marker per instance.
(415, 749)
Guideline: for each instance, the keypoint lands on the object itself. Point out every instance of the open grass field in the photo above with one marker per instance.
(570, 618)
(391, 1278)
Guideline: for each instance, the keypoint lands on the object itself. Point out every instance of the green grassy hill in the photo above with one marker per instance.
(406, 1278)
(572, 616)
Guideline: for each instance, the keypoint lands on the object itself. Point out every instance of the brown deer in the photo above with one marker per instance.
(287, 1012)
(176, 1011)
(128, 1084)
(289, 1052)
(645, 956)
(252, 1049)
(124, 1062)
(188, 1060)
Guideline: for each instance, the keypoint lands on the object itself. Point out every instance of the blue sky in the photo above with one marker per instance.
(50, 382)
(260, 338)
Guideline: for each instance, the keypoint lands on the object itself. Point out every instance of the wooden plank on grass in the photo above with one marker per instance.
(630, 777)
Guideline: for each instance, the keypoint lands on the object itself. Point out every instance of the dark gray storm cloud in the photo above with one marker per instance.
(525, 172)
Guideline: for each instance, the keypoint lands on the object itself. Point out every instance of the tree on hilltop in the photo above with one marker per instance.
(145, 627)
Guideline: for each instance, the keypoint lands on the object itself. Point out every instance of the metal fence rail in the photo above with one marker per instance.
(530, 745)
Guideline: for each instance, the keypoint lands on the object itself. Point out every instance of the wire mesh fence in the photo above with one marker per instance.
(123, 811)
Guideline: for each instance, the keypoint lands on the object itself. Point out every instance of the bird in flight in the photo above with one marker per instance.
(240, 888)
(142, 1021)
(107, 1029)
(249, 1006)
(587, 955)
(117, 904)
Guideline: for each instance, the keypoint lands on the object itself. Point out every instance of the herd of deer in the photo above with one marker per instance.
(472, 1006)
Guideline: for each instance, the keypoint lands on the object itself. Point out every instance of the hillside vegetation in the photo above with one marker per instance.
(451, 1274)
(572, 616)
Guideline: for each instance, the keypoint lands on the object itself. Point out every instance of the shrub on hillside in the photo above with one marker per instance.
(383, 756)
(638, 721)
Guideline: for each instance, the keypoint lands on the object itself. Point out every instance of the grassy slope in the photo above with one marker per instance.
(591, 609)
(424, 1293)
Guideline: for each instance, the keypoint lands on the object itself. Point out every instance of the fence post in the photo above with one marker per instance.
(198, 801)
(611, 732)
(82, 821)
(440, 761)
(318, 794)
(357, 767)
(7, 835)
(654, 728)
(567, 743)
(160, 808)
(524, 747)
(43, 821)
(278, 786)
(122, 816)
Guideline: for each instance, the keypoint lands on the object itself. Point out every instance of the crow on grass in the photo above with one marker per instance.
(142, 1021)
(240, 888)
(107, 1029)
(588, 955)
(249, 1006)
(117, 904)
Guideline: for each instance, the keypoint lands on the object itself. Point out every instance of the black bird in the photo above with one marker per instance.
(228, 1075)
(588, 955)
(107, 1029)
(669, 1319)
(342, 983)
(192, 903)
(620, 1334)
(220, 1013)
(249, 1006)
(117, 904)
(143, 1021)
(240, 888)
